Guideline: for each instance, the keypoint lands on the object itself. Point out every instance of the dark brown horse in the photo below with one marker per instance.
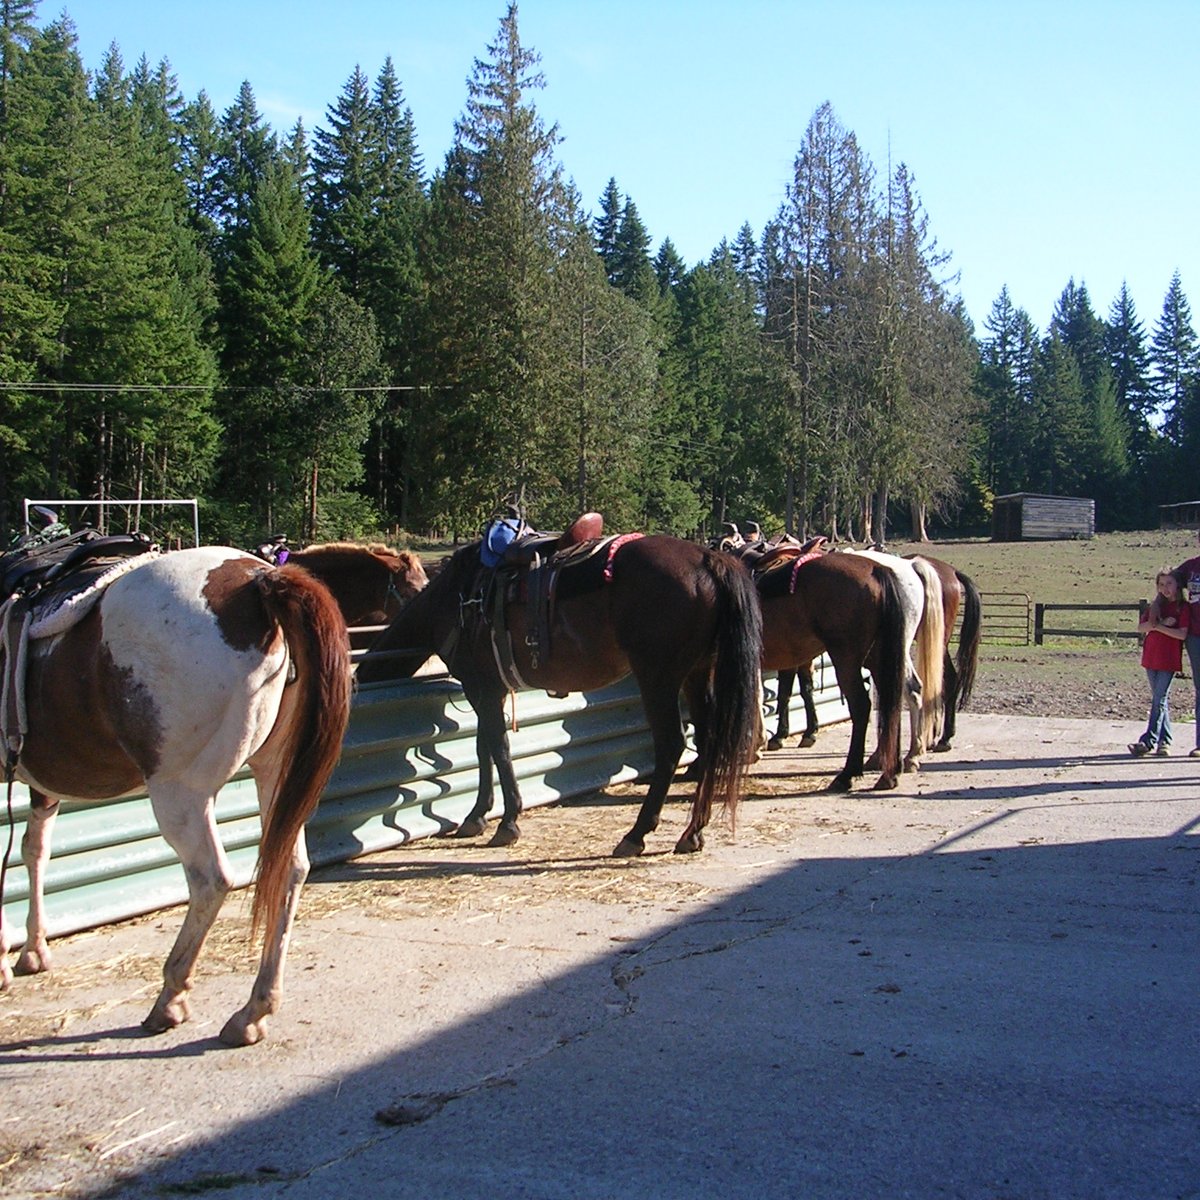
(170, 678)
(675, 615)
(852, 608)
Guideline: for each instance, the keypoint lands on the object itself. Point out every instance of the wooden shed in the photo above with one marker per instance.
(1024, 517)
(1179, 516)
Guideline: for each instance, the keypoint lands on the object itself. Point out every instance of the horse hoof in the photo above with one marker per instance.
(32, 962)
(809, 739)
(239, 1030)
(886, 783)
(690, 844)
(471, 827)
(841, 783)
(775, 744)
(164, 1017)
(872, 763)
(941, 747)
(628, 848)
(911, 765)
(505, 835)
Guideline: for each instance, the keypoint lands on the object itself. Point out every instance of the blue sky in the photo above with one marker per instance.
(1049, 141)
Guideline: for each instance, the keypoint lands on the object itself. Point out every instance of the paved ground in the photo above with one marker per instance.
(983, 984)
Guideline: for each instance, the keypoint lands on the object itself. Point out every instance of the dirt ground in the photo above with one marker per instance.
(1104, 684)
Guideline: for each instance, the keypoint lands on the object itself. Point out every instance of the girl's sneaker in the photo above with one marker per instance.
(1163, 751)
(1138, 749)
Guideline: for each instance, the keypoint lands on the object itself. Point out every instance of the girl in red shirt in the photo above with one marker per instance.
(1165, 627)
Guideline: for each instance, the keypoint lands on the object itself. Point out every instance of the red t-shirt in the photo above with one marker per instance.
(1162, 653)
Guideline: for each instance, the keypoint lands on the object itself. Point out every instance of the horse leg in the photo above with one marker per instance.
(858, 701)
(695, 691)
(35, 852)
(916, 722)
(492, 746)
(950, 676)
(475, 821)
(249, 1024)
(811, 725)
(185, 819)
(783, 700)
(661, 704)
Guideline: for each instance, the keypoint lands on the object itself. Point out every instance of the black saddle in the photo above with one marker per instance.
(34, 565)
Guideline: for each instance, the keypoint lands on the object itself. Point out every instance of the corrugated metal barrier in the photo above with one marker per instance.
(408, 770)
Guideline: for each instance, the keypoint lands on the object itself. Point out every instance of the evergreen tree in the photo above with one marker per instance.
(246, 148)
(500, 220)
(1008, 353)
(267, 301)
(1175, 359)
(1129, 361)
(344, 166)
(669, 267)
(200, 165)
(607, 227)
(630, 268)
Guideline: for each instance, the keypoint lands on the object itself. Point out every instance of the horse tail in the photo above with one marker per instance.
(931, 653)
(970, 635)
(891, 652)
(733, 701)
(315, 633)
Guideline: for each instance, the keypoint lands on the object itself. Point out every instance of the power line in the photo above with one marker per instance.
(10, 386)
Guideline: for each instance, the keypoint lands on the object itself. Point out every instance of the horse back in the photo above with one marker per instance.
(177, 667)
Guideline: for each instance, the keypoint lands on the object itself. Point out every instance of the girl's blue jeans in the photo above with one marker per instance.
(1158, 730)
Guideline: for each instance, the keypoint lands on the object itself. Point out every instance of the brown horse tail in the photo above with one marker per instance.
(732, 702)
(931, 653)
(316, 636)
(892, 659)
(969, 637)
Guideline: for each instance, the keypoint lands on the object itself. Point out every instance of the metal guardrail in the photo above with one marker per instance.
(407, 770)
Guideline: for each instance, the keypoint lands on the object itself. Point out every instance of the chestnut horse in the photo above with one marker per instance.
(187, 666)
(853, 609)
(676, 616)
(369, 583)
(959, 593)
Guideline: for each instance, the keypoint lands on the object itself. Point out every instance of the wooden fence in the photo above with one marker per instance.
(1013, 619)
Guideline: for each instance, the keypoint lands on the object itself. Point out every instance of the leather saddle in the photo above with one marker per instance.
(34, 567)
(528, 572)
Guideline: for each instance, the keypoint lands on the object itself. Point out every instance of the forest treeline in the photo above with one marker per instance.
(315, 334)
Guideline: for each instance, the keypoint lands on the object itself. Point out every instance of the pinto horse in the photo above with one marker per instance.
(187, 666)
(676, 616)
(959, 593)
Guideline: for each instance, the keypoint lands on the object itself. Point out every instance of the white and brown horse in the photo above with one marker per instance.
(189, 665)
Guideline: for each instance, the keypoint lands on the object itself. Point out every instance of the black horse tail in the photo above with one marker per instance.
(732, 696)
(969, 636)
(891, 652)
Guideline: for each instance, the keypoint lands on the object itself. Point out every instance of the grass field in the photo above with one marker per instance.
(1111, 568)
